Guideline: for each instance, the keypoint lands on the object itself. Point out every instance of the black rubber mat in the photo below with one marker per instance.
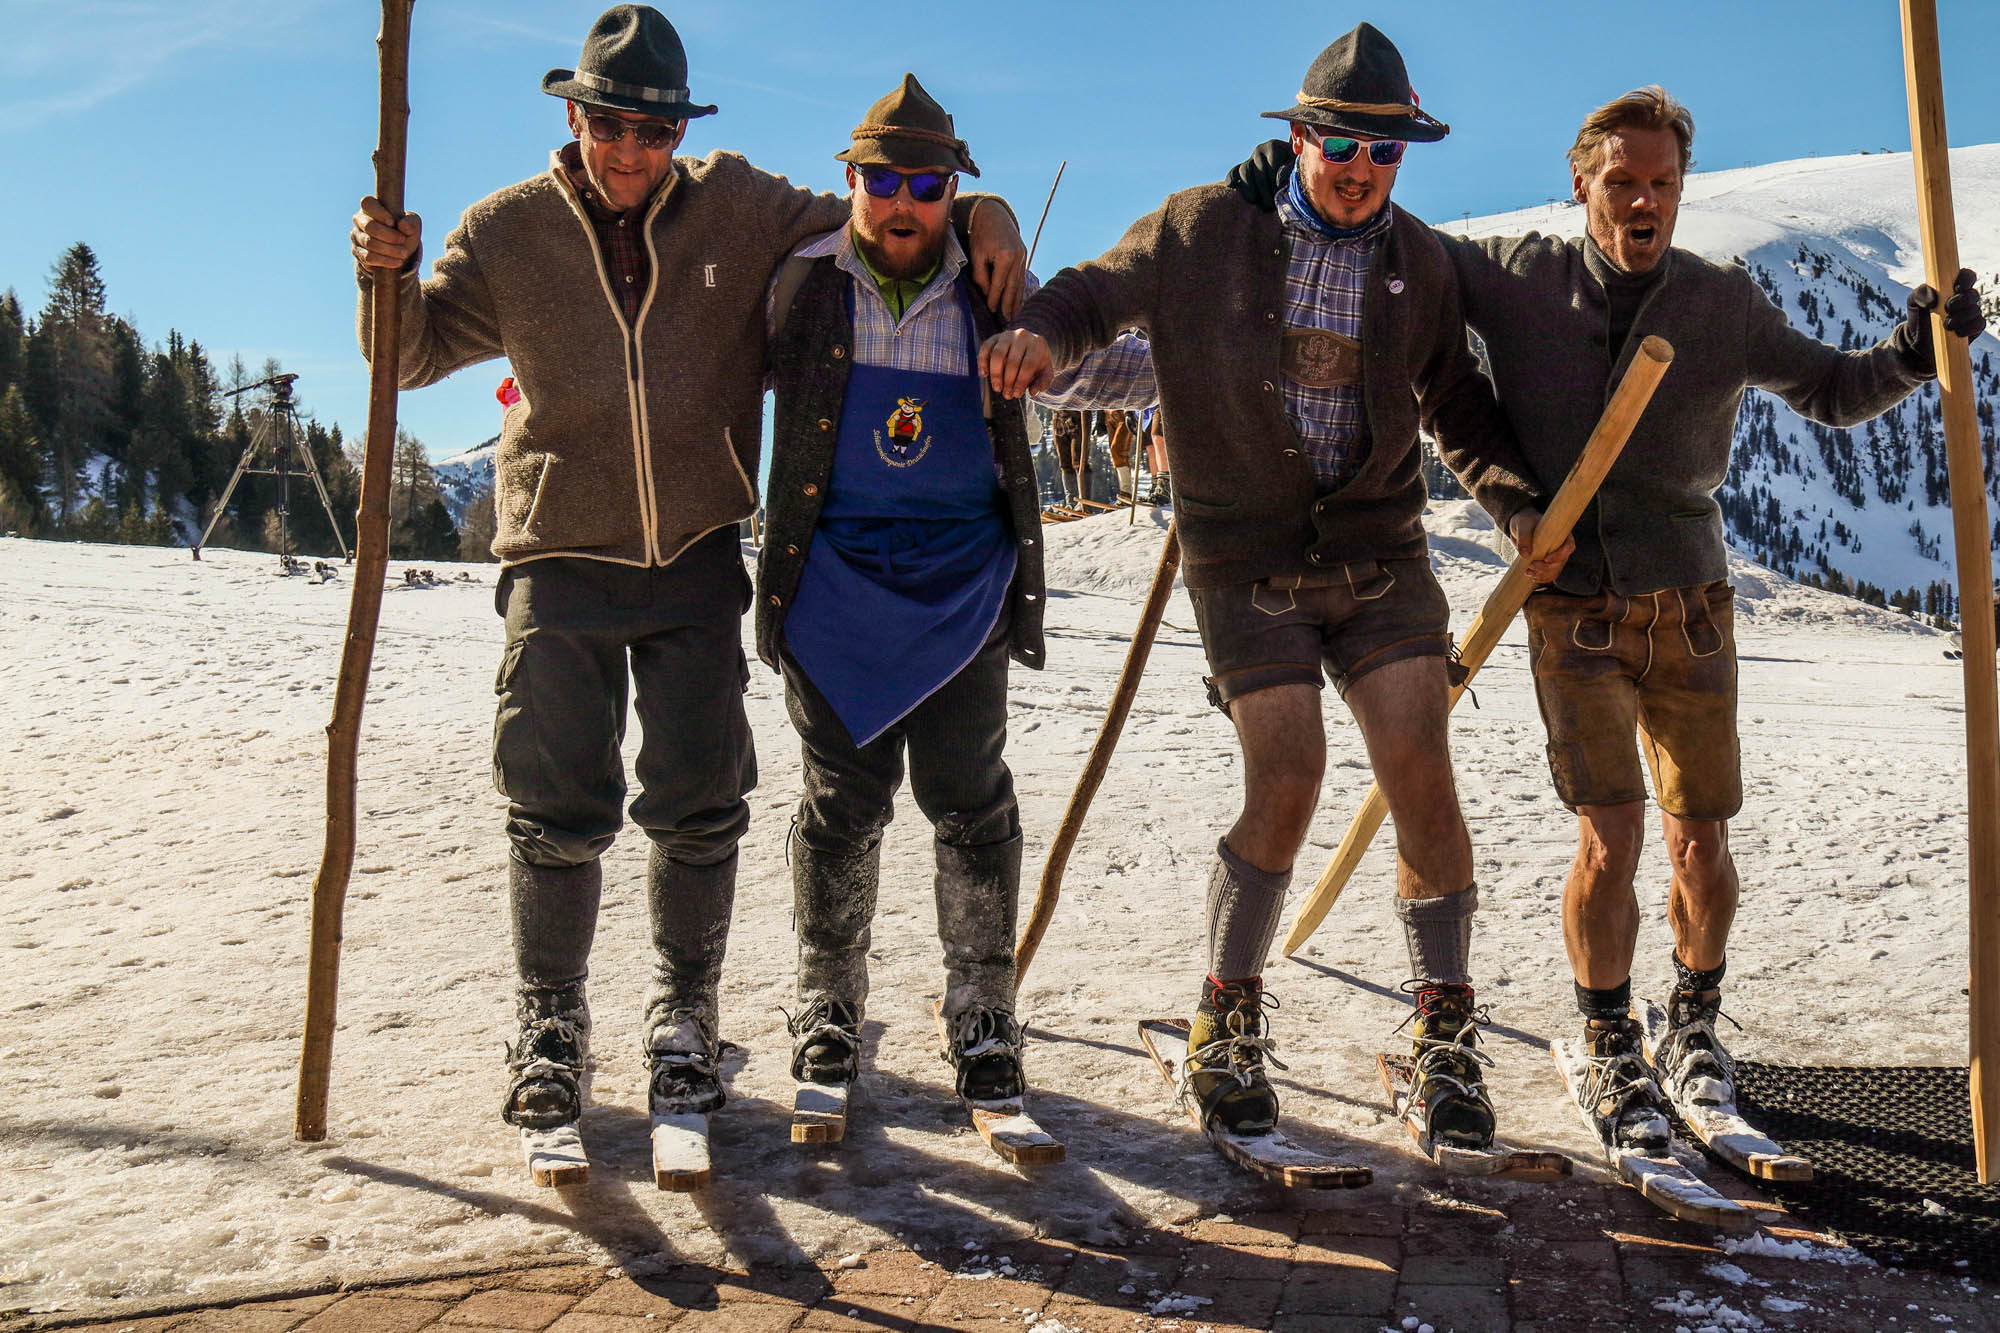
(1893, 1165)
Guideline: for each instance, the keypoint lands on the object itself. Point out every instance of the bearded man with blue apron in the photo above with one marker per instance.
(901, 569)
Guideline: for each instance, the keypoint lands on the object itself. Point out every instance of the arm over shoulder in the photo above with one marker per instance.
(1083, 308)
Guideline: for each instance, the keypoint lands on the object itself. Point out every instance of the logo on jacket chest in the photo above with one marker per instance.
(903, 442)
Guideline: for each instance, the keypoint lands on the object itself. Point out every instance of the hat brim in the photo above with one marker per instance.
(562, 83)
(913, 154)
(1407, 128)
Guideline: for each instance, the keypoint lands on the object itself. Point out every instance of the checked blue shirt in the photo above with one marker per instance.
(930, 337)
(1324, 282)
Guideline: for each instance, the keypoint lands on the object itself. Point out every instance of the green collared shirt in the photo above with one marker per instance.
(896, 292)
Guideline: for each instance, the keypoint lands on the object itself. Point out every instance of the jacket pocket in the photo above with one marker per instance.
(1194, 505)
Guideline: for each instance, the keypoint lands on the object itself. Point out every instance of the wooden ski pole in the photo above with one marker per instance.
(1614, 427)
(1100, 753)
(1974, 558)
(365, 606)
(1061, 167)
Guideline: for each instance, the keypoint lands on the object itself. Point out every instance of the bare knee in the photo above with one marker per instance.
(1609, 840)
(1699, 851)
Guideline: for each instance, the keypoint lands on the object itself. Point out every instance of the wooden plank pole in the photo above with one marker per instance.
(1100, 753)
(1600, 451)
(365, 607)
(1974, 557)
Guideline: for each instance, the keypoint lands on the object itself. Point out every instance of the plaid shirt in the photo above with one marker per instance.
(1324, 281)
(618, 239)
(930, 338)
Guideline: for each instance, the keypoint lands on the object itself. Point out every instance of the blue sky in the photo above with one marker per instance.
(211, 151)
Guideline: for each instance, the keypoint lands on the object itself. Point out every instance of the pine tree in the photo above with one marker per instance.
(13, 333)
(22, 508)
(79, 351)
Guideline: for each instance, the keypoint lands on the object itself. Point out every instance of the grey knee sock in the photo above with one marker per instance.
(554, 911)
(1243, 907)
(689, 906)
(1439, 931)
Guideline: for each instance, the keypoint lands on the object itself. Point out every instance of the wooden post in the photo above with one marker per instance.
(1100, 753)
(1614, 427)
(365, 606)
(1974, 557)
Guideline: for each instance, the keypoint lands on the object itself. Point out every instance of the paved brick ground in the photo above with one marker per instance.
(1582, 1257)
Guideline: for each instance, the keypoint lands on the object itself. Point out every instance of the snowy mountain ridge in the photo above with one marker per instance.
(1835, 242)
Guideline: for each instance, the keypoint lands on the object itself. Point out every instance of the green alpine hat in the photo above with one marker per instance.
(908, 129)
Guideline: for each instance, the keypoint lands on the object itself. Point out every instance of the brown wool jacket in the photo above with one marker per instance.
(1204, 276)
(1539, 302)
(630, 441)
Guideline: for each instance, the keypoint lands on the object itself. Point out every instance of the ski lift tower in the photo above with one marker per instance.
(276, 449)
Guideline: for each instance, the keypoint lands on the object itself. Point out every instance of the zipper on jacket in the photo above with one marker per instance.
(634, 397)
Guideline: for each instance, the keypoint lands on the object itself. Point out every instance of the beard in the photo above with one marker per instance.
(906, 256)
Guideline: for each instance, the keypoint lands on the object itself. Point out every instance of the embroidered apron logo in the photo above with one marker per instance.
(906, 432)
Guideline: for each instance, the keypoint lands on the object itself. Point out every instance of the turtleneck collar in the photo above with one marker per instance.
(1612, 276)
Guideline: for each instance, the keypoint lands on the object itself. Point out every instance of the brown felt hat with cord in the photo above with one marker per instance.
(908, 129)
(1358, 87)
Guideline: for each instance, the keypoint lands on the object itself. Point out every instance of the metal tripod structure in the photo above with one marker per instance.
(277, 441)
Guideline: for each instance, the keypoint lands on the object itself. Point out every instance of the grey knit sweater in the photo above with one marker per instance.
(1204, 276)
(1539, 302)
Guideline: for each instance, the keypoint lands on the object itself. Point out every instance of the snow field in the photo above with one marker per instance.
(161, 794)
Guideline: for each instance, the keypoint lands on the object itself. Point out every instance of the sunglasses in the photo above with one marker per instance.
(1382, 152)
(646, 133)
(926, 187)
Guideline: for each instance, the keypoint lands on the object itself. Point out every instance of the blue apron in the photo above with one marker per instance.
(909, 567)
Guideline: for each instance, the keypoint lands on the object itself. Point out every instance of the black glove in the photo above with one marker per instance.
(1263, 177)
(1962, 317)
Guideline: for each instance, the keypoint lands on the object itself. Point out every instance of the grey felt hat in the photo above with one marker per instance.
(1358, 86)
(632, 61)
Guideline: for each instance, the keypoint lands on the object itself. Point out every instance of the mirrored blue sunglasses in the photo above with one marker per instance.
(926, 187)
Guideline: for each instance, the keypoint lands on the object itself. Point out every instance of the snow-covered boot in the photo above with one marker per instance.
(549, 1064)
(1448, 1085)
(983, 1047)
(826, 1041)
(685, 1060)
(1163, 490)
(1228, 1047)
(1619, 1095)
(1693, 1068)
(689, 906)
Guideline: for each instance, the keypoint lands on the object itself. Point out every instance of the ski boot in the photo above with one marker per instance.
(1227, 1050)
(826, 1041)
(685, 1059)
(1693, 1068)
(1448, 1082)
(984, 1050)
(1163, 490)
(1619, 1095)
(549, 1064)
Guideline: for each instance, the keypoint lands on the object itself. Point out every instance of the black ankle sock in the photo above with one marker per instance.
(1609, 1005)
(1692, 982)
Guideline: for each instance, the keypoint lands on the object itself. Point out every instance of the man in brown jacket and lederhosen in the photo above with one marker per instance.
(1299, 505)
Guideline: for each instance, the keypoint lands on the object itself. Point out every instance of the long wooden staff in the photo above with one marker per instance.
(364, 610)
(1614, 427)
(1060, 169)
(1100, 753)
(1975, 570)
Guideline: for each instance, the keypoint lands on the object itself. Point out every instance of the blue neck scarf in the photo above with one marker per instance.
(1295, 195)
